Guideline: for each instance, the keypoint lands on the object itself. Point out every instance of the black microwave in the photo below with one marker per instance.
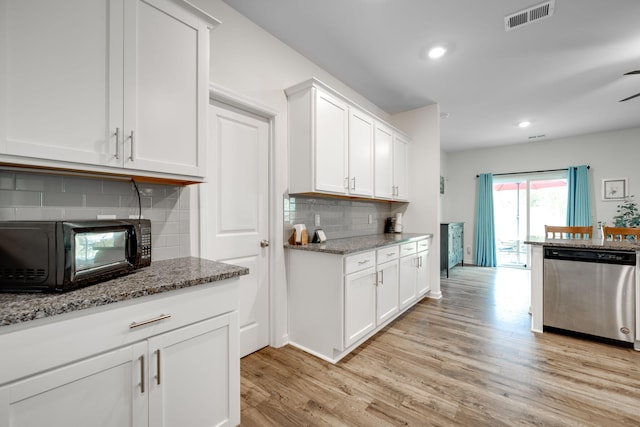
(40, 256)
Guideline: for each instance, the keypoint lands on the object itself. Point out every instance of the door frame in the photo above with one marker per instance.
(248, 105)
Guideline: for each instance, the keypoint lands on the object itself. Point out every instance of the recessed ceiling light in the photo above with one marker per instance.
(437, 52)
(524, 124)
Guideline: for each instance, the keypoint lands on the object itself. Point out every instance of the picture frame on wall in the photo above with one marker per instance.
(614, 188)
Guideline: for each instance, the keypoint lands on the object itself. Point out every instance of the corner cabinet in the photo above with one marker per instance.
(336, 302)
(172, 370)
(105, 86)
(334, 147)
(451, 245)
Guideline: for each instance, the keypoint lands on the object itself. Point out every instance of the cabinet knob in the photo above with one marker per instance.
(264, 244)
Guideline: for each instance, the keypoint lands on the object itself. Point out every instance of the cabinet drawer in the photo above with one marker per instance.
(424, 245)
(408, 249)
(358, 262)
(387, 254)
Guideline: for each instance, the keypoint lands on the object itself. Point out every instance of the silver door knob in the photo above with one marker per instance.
(264, 243)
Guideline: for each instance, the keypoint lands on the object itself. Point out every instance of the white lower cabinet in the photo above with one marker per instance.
(422, 283)
(188, 375)
(408, 274)
(359, 305)
(336, 302)
(387, 291)
(103, 390)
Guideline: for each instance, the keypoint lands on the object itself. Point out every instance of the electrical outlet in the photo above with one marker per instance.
(317, 220)
(106, 216)
(370, 219)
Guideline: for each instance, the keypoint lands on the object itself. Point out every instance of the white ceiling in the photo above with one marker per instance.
(563, 73)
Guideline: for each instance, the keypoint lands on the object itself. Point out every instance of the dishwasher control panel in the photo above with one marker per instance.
(591, 255)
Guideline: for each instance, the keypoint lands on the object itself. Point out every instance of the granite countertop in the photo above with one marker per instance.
(348, 245)
(625, 245)
(160, 276)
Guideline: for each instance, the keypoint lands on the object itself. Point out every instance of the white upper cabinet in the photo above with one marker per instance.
(384, 187)
(335, 147)
(105, 85)
(330, 150)
(361, 127)
(318, 147)
(61, 85)
(391, 151)
(400, 168)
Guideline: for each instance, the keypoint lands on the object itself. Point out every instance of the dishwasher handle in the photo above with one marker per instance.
(586, 255)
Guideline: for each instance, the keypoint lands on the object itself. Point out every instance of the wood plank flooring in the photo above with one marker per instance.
(468, 359)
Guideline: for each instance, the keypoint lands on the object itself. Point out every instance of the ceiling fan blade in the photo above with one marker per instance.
(631, 97)
(632, 72)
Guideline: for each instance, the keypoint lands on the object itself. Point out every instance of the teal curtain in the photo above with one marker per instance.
(485, 236)
(579, 197)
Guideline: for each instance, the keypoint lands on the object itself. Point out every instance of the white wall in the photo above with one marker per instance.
(610, 155)
(422, 214)
(247, 60)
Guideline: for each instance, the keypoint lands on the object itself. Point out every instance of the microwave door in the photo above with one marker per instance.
(99, 251)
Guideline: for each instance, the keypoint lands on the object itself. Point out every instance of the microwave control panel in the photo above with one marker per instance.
(145, 245)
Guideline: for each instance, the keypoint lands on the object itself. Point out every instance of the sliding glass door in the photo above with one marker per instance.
(523, 205)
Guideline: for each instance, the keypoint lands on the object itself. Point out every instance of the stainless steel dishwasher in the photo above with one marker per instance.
(590, 291)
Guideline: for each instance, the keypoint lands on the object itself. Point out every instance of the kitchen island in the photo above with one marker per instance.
(344, 291)
(158, 346)
(613, 247)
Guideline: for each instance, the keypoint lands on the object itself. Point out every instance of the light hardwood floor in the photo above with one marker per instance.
(468, 359)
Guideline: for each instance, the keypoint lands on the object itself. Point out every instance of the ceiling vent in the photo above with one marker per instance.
(529, 15)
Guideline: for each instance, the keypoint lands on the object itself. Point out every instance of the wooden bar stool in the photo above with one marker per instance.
(568, 232)
(622, 232)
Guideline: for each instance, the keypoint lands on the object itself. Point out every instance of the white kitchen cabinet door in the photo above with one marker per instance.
(408, 271)
(105, 390)
(359, 305)
(194, 374)
(61, 80)
(400, 168)
(165, 87)
(331, 133)
(383, 168)
(387, 291)
(422, 280)
(361, 127)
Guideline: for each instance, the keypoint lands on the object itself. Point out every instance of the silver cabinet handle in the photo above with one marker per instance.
(353, 186)
(158, 368)
(134, 325)
(382, 277)
(377, 280)
(363, 262)
(117, 155)
(142, 374)
(346, 182)
(131, 137)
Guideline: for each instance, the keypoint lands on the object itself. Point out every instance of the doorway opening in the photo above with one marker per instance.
(522, 205)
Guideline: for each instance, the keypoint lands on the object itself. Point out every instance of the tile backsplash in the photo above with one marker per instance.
(338, 217)
(36, 196)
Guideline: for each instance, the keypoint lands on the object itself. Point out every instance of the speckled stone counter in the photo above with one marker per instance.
(350, 245)
(160, 276)
(625, 245)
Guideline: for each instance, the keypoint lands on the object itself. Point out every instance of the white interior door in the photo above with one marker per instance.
(235, 203)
